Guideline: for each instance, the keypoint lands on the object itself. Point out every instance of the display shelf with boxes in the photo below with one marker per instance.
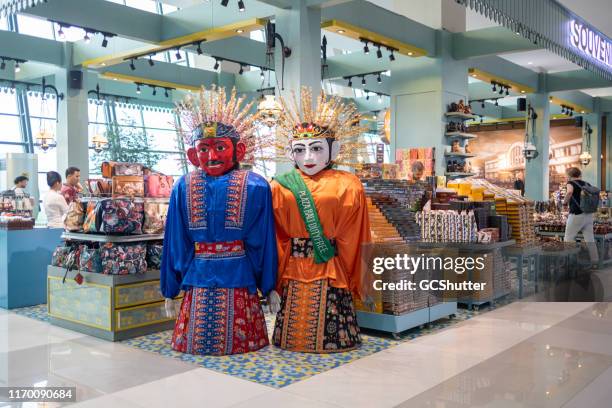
(457, 165)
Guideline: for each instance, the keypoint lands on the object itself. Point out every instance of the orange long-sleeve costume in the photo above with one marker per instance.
(341, 205)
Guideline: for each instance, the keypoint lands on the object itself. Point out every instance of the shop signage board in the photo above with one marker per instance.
(591, 42)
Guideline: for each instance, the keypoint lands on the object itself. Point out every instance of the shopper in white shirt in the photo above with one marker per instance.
(21, 182)
(53, 202)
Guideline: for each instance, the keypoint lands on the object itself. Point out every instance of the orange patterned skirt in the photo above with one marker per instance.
(316, 318)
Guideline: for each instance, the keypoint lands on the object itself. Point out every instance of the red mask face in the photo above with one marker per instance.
(216, 155)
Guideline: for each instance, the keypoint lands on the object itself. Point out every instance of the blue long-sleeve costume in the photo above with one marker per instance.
(205, 209)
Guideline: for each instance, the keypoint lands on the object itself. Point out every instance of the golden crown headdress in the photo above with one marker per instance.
(212, 114)
(331, 117)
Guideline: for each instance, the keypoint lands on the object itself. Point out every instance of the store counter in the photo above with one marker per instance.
(24, 257)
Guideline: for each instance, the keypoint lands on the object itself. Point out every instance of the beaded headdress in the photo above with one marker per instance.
(331, 118)
(212, 115)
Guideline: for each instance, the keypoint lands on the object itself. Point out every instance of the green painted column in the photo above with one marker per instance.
(300, 28)
(536, 170)
(72, 127)
(421, 89)
(592, 172)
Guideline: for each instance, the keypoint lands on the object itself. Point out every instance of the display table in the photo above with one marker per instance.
(475, 249)
(24, 256)
(111, 307)
(521, 253)
(601, 241)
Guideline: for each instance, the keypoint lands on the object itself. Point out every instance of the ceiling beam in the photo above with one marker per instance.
(501, 68)
(571, 80)
(385, 23)
(30, 48)
(488, 41)
(105, 16)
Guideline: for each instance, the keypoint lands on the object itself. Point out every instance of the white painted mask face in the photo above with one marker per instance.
(312, 155)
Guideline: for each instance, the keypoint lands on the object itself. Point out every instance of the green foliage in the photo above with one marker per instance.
(126, 144)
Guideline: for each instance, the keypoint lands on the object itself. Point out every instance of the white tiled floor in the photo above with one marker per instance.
(507, 351)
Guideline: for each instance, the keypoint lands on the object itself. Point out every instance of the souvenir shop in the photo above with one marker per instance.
(244, 173)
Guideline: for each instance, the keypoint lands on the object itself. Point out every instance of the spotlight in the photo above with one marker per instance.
(216, 67)
(262, 74)
(367, 96)
(571, 113)
(154, 91)
(366, 50)
(138, 89)
(3, 64)
(60, 33)
(507, 91)
(178, 54)
(482, 104)
(166, 92)
(17, 67)
(104, 42)
(379, 79)
(562, 110)
(496, 102)
(151, 62)
(199, 49)
(224, 3)
(501, 90)
(132, 66)
(379, 98)
(494, 87)
(378, 52)
(363, 80)
(391, 56)
(241, 5)
(241, 69)
(87, 38)
(350, 82)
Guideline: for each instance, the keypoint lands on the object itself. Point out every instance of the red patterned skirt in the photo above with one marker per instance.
(220, 321)
(316, 318)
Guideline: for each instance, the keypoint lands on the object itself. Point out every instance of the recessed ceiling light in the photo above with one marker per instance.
(114, 79)
(410, 53)
(340, 31)
(530, 63)
(474, 76)
(240, 31)
(104, 64)
(522, 91)
(581, 111)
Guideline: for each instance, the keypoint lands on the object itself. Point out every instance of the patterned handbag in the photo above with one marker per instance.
(128, 186)
(154, 254)
(119, 216)
(99, 187)
(158, 185)
(90, 222)
(90, 260)
(111, 169)
(155, 213)
(123, 259)
(61, 255)
(75, 217)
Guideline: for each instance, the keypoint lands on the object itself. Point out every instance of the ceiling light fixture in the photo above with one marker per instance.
(3, 64)
(350, 82)
(104, 42)
(138, 89)
(241, 6)
(391, 56)
(494, 87)
(154, 91)
(60, 33)
(378, 52)
(240, 31)
(379, 98)
(87, 38)
(367, 96)
(366, 49)
(501, 90)
(151, 62)
(17, 67)
(166, 92)
(224, 3)
(482, 104)
(496, 102)
(241, 71)
(132, 65)
(178, 54)
(199, 49)
(507, 91)
(363, 80)
(216, 67)
(379, 78)
(262, 74)
(340, 31)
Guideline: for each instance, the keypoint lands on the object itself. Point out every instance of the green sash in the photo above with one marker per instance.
(323, 249)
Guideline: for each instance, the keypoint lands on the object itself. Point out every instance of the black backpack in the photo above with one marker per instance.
(589, 198)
